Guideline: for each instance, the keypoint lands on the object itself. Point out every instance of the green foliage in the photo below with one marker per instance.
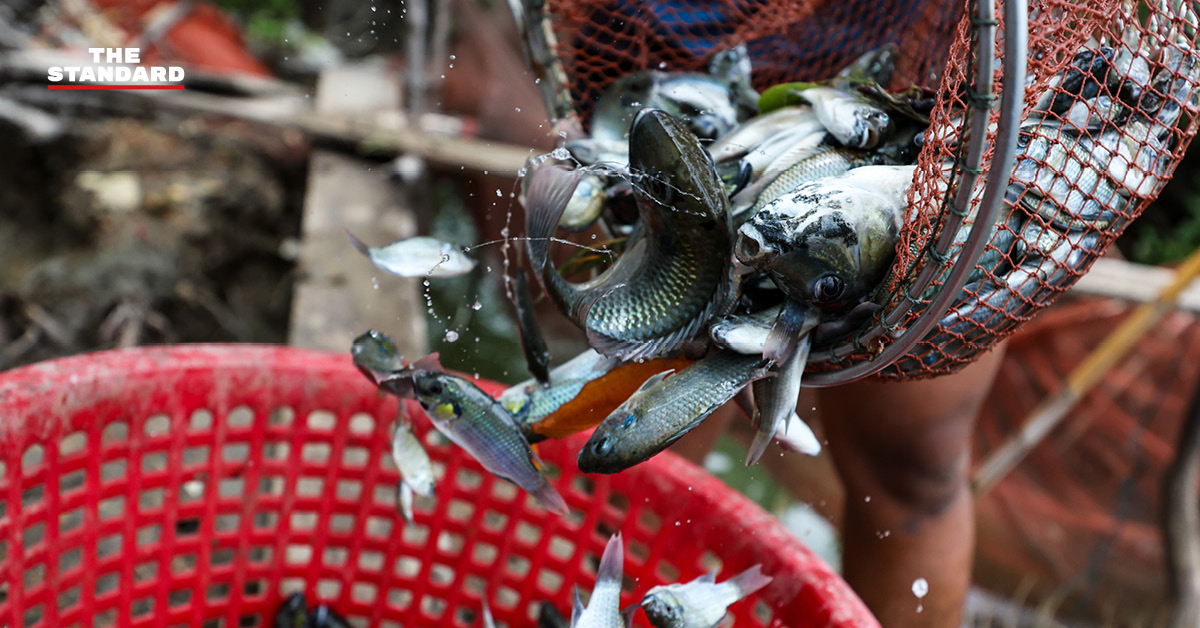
(264, 20)
(781, 96)
(1163, 245)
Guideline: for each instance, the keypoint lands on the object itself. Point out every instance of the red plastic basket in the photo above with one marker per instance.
(198, 485)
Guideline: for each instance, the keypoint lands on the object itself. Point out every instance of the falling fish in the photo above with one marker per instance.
(416, 470)
(775, 397)
(481, 426)
(603, 609)
(376, 356)
(669, 282)
(419, 256)
(665, 408)
(701, 603)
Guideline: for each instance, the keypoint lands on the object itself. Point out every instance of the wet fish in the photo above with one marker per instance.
(528, 401)
(744, 333)
(418, 256)
(798, 140)
(852, 120)
(665, 408)
(537, 356)
(701, 102)
(670, 281)
(755, 131)
(775, 397)
(480, 425)
(701, 603)
(733, 67)
(829, 242)
(823, 161)
(604, 607)
(410, 457)
(586, 204)
(376, 355)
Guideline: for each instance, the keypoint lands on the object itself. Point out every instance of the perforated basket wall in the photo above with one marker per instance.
(600, 40)
(197, 486)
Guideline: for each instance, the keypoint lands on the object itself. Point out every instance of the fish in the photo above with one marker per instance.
(744, 333)
(416, 470)
(586, 204)
(579, 397)
(375, 354)
(701, 603)
(829, 242)
(404, 501)
(823, 161)
(665, 408)
(537, 356)
(480, 425)
(418, 256)
(591, 151)
(670, 281)
(851, 119)
(799, 140)
(325, 617)
(733, 66)
(701, 102)
(755, 131)
(775, 397)
(795, 435)
(604, 607)
(292, 613)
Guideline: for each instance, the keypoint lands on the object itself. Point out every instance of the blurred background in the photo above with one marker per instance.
(216, 214)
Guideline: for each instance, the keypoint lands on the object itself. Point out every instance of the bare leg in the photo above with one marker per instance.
(903, 453)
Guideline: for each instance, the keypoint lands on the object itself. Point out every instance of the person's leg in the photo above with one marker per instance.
(903, 453)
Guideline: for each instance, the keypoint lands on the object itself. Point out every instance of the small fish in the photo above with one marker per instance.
(704, 104)
(795, 142)
(701, 603)
(419, 256)
(823, 161)
(529, 401)
(755, 131)
(829, 242)
(586, 204)
(416, 470)
(665, 408)
(775, 397)
(744, 333)
(734, 68)
(670, 281)
(480, 425)
(852, 120)
(604, 607)
(292, 613)
(376, 355)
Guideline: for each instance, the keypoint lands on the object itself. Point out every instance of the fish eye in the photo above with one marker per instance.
(435, 387)
(602, 447)
(656, 185)
(629, 421)
(828, 289)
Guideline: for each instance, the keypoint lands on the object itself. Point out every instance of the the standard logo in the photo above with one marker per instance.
(115, 68)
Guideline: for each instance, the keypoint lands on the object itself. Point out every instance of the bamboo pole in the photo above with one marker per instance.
(1181, 523)
(1052, 410)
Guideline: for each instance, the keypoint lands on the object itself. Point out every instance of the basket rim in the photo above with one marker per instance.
(32, 394)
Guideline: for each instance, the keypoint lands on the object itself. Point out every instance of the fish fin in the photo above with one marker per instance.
(758, 446)
(488, 622)
(549, 498)
(576, 609)
(358, 244)
(709, 578)
(404, 497)
(652, 380)
(745, 401)
(550, 189)
(428, 363)
(794, 320)
(627, 615)
(750, 581)
(612, 562)
(797, 436)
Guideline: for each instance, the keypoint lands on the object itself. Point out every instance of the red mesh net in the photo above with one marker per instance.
(1090, 158)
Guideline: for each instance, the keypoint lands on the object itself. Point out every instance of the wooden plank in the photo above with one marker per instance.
(339, 294)
(1134, 282)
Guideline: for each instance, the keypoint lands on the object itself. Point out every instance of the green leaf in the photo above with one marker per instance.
(782, 95)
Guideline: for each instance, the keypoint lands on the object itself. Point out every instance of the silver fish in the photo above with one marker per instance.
(530, 402)
(755, 131)
(821, 162)
(852, 120)
(796, 140)
(701, 603)
(703, 103)
(481, 426)
(419, 256)
(665, 408)
(604, 607)
(744, 333)
(404, 498)
(775, 397)
(410, 457)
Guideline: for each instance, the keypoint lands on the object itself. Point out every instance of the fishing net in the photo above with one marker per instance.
(1081, 516)
(1137, 111)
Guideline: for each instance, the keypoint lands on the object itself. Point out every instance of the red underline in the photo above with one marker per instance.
(114, 87)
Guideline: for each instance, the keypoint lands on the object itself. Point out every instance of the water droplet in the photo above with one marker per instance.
(867, 499)
(518, 109)
(920, 607)
(453, 57)
(426, 282)
(373, 9)
(560, 153)
(375, 282)
(451, 336)
(476, 305)
(499, 193)
(920, 587)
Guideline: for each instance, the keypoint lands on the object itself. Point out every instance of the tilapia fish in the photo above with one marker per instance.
(701, 603)
(480, 425)
(604, 607)
(670, 281)
(665, 408)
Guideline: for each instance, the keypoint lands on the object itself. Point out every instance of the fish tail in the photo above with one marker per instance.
(612, 563)
(550, 189)
(404, 497)
(549, 497)
(358, 244)
(750, 581)
(798, 436)
(758, 446)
